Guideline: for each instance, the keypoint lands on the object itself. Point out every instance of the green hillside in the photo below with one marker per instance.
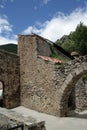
(9, 47)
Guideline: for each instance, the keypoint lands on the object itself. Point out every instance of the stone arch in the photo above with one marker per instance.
(69, 83)
(10, 78)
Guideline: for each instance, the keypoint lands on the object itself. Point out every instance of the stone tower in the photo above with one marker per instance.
(36, 75)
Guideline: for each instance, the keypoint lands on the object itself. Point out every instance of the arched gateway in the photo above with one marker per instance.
(9, 78)
(75, 70)
(1, 94)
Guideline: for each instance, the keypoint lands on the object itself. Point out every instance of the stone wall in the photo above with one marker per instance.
(67, 76)
(42, 85)
(81, 95)
(43, 48)
(45, 86)
(37, 87)
(9, 76)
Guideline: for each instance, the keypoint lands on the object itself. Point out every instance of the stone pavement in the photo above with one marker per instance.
(10, 118)
(77, 122)
(6, 123)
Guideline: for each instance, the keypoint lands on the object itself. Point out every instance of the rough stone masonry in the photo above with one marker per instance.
(49, 87)
(46, 86)
(9, 77)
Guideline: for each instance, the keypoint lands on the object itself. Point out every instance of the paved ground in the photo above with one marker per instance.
(78, 122)
(10, 118)
(6, 123)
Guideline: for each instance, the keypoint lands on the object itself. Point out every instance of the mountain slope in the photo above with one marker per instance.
(9, 47)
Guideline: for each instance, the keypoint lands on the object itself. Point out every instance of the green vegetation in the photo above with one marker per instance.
(75, 41)
(84, 77)
(57, 54)
(9, 47)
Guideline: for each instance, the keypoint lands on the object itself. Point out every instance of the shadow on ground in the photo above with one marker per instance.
(78, 115)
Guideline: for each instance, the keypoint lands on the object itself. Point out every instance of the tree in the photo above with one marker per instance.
(80, 39)
(75, 41)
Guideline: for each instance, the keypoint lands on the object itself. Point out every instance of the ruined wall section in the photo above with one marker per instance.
(81, 95)
(68, 77)
(62, 71)
(46, 86)
(37, 77)
(9, 76)
(43, 47)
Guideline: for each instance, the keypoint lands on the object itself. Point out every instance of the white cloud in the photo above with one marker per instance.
(6, 32)
(46, 1)
(35, 7)
(59, 25)
(4, 2)
(32, 29)
(4, 25)
(12, 0)
(4, 40)
(1, 6)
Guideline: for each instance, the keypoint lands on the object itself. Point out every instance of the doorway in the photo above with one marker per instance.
(71, 100)
(1, 94)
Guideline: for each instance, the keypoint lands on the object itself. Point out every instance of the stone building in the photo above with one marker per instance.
(36, 80)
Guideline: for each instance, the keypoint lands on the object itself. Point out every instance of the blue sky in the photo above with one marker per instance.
(49, 18)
